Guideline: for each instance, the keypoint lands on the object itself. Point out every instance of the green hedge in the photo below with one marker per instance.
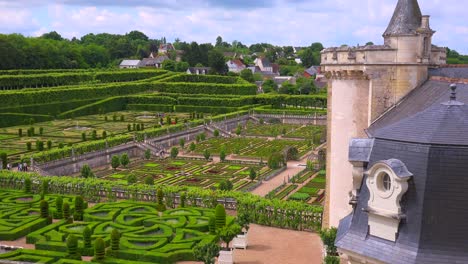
(81, 148)
(111, 104)
(23, 230)
(151, 99)
(43, 80)
(53, 109)
(182, 77)
(207, 88)
(127, 75)
(150, 107)
(214, 101)
(13, 119)
(205, 109)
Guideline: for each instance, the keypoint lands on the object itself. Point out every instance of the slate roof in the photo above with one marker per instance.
(405, 20)
(443, 124)
(130, 63)
(451, 72)
(431, 93)
(435, 229)
(153, 61)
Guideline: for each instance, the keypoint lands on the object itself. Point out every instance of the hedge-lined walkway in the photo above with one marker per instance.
(270, 185)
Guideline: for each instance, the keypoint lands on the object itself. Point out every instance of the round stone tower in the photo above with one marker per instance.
(364, 83)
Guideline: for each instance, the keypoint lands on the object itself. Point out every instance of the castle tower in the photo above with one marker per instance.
(364, 83)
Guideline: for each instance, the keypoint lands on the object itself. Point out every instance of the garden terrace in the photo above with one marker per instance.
(251, 147)
(181, 172)
(284, 130)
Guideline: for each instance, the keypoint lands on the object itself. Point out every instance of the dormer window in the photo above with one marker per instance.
(387, 182)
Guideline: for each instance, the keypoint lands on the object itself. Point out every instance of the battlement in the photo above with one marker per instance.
(379, 55)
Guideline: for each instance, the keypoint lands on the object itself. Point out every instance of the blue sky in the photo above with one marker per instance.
(280, 22)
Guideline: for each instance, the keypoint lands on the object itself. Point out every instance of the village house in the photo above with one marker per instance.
(129, 64)
(165, 48)
(156, 62)
(198, 70)
(235, 65)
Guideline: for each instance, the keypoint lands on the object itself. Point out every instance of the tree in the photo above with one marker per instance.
(149, 180)
(216, 62)
(206, 154)
(72, 247)
(99, 249)
(225, 185)
(216, 133)
(182, 142)
(228, 233)
(4, 159)
(115, 239)
(132, 179)
(124, 160)
(287, 88)
(86, 172)
(192, 147)
(174, 152)
(79, 208)
(252, 174)
(147, 154)
(83, 136)
(222, 155)
(87, 233)
(66, 210)
(169, 65)
(27, 185)
(94, 135)
(52, 35)
(206, 252)
(20, 132)
(239, 130)
(220, 216)
(269, 86)
(39, 145)
(183, 197)
(44, 205)
(104, 134)
(328, 237)
(115, 162)
(247, 75)
(276, 161)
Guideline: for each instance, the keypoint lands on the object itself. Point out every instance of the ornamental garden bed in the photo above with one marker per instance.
(251, 147)
(186, 173)
(146, 234)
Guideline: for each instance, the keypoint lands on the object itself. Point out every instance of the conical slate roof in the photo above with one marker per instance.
(406, 19)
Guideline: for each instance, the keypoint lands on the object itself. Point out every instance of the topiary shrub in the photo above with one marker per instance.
(131, 179)
(212, 225)
(44, 188)
(78, 215)
(44, 209)
(183, 197)
(160, 206)
(66, 210)
(149, 180)
(27, 185)
(99, 249)
(220, 216)
(87, 233)
(72, 247)
(206, 252)
(115, 240)
(59, 207)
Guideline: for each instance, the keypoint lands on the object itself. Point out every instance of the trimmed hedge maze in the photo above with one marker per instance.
(146, 235)
(188, 173)
(20, 213)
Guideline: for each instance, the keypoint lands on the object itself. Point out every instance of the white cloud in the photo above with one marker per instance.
(281, 22)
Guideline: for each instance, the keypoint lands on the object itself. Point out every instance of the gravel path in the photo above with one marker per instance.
(269, 245)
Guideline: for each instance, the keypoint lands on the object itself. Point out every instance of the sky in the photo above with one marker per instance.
(279, 22)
